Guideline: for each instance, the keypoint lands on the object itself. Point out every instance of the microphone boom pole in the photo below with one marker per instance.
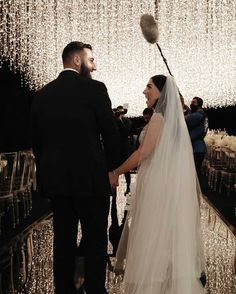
(150, 32)
(164, 59)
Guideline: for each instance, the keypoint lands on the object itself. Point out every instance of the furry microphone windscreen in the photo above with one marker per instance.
(149, 28)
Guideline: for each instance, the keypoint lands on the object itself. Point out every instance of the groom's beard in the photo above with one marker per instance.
(85, 71)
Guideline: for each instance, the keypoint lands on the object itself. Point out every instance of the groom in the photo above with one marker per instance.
(75, 145)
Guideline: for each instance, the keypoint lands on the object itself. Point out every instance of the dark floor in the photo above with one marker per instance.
(41, 209)
(226, 205)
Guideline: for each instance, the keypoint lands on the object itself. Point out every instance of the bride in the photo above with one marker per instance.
(161, 248)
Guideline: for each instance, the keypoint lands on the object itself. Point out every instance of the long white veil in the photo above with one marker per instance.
(161, 247)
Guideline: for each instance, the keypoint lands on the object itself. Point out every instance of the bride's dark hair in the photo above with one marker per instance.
(159, 81)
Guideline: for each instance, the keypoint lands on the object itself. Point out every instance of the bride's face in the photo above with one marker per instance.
(152, 93)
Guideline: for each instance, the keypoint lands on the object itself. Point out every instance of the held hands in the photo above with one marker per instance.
(114, 179)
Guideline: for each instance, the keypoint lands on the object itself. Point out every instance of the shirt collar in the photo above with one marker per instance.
(68, 68)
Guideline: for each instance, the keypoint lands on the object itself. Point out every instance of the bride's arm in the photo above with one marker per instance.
(129, 164)
(151, 138)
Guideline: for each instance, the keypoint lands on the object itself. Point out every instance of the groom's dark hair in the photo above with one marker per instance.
(73, 47)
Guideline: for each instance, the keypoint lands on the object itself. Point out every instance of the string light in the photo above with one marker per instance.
(197, 38)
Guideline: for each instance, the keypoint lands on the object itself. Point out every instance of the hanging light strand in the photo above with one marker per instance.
(198, 39)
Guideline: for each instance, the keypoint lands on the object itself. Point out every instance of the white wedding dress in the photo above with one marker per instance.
(161, 248)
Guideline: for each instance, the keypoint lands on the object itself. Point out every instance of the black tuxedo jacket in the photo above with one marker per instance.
(74, 137)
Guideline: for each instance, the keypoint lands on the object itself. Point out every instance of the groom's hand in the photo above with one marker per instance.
(114, 179)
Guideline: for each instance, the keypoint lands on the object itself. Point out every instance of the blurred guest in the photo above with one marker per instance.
(197, 123)
(147, 114)
(186, 109)
(124, 126)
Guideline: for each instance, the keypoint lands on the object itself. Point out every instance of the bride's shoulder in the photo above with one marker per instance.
(156, 117)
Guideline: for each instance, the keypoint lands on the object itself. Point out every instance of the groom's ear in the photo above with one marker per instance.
(77, 60)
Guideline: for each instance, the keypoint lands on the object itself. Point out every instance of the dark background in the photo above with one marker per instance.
(15, 103)
(16, 99)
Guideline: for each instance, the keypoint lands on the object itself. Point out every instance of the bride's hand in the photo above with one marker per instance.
(114, 179)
